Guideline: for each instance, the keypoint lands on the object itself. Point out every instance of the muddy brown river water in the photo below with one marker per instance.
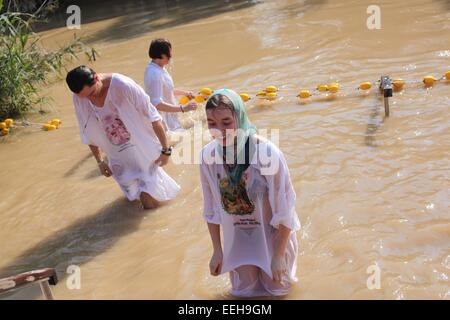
(370, 191)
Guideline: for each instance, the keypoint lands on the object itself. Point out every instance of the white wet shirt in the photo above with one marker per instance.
(122, 128)
(159, 86)
(251, 213)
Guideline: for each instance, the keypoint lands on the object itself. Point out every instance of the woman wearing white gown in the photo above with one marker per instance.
(247, 192)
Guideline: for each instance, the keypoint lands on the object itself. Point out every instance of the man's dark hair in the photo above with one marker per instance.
(79, 77)
(158, 47)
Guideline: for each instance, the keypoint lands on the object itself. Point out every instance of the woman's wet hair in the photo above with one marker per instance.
(158, 47)
(219, 100)
(79, 77)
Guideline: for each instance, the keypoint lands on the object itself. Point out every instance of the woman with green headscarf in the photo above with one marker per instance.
(247, 190)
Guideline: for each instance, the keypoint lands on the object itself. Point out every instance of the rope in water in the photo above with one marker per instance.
(270, 93)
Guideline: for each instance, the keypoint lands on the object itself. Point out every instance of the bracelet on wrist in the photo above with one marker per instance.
(167, 151)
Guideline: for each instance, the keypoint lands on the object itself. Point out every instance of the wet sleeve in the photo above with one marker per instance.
(83, 119)
(210, 213)
(153, 84)
(281, 193)
(143, 104)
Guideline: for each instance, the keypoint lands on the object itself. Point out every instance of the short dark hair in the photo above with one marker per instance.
(79, 77)
(158, 47)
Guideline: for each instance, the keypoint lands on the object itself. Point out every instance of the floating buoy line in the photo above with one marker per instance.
(386, 86)
(8, 125)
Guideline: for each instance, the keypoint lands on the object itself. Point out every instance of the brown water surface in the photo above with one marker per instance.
(370, 190)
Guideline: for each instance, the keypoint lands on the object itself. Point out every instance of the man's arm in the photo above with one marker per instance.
(96, 153)
(161, 134)
(103, 166)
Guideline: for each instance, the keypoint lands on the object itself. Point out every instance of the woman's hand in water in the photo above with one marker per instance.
(279, 268)
(191, 106)
(104, 169)
(215, 265)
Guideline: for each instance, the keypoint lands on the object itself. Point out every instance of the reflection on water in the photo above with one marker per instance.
(371, 190)
(134, 18)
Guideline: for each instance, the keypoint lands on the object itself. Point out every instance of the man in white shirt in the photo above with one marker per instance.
(159, 85)
(116, 118)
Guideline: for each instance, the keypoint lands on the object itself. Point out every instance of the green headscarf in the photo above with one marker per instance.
(246, 130)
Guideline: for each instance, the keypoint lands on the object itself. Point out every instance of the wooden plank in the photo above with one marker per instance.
(46, 291)
(14, 282)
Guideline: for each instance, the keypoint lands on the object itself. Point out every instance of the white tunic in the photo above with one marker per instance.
(251, 214)
(122, 128)
(159, 86)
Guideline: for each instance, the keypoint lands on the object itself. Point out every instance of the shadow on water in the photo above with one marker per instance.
(95, 173)
(77, 165)
(80, 242)
(374, 123)
(136, 17)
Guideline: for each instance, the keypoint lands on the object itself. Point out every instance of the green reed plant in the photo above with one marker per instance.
(25, 66)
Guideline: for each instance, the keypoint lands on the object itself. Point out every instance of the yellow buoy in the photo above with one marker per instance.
(205, 91)
(184, 100)
(200, 99)
(3, 125)
(271, 95)
(55, 123)
(322, 87)
(49, 127)
(9, 122)
(245, 97)
(365, 86)
(261, 94)
(333, 87)
(304, 94)
(447, 75)
(5, 131)
(271, 89)
(429, 80)
(398, 84)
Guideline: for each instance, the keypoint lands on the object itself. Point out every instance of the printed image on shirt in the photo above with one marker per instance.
(115, 130)
(235, 199)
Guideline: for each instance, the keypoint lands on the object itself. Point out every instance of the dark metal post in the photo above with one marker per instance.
(386, 87)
